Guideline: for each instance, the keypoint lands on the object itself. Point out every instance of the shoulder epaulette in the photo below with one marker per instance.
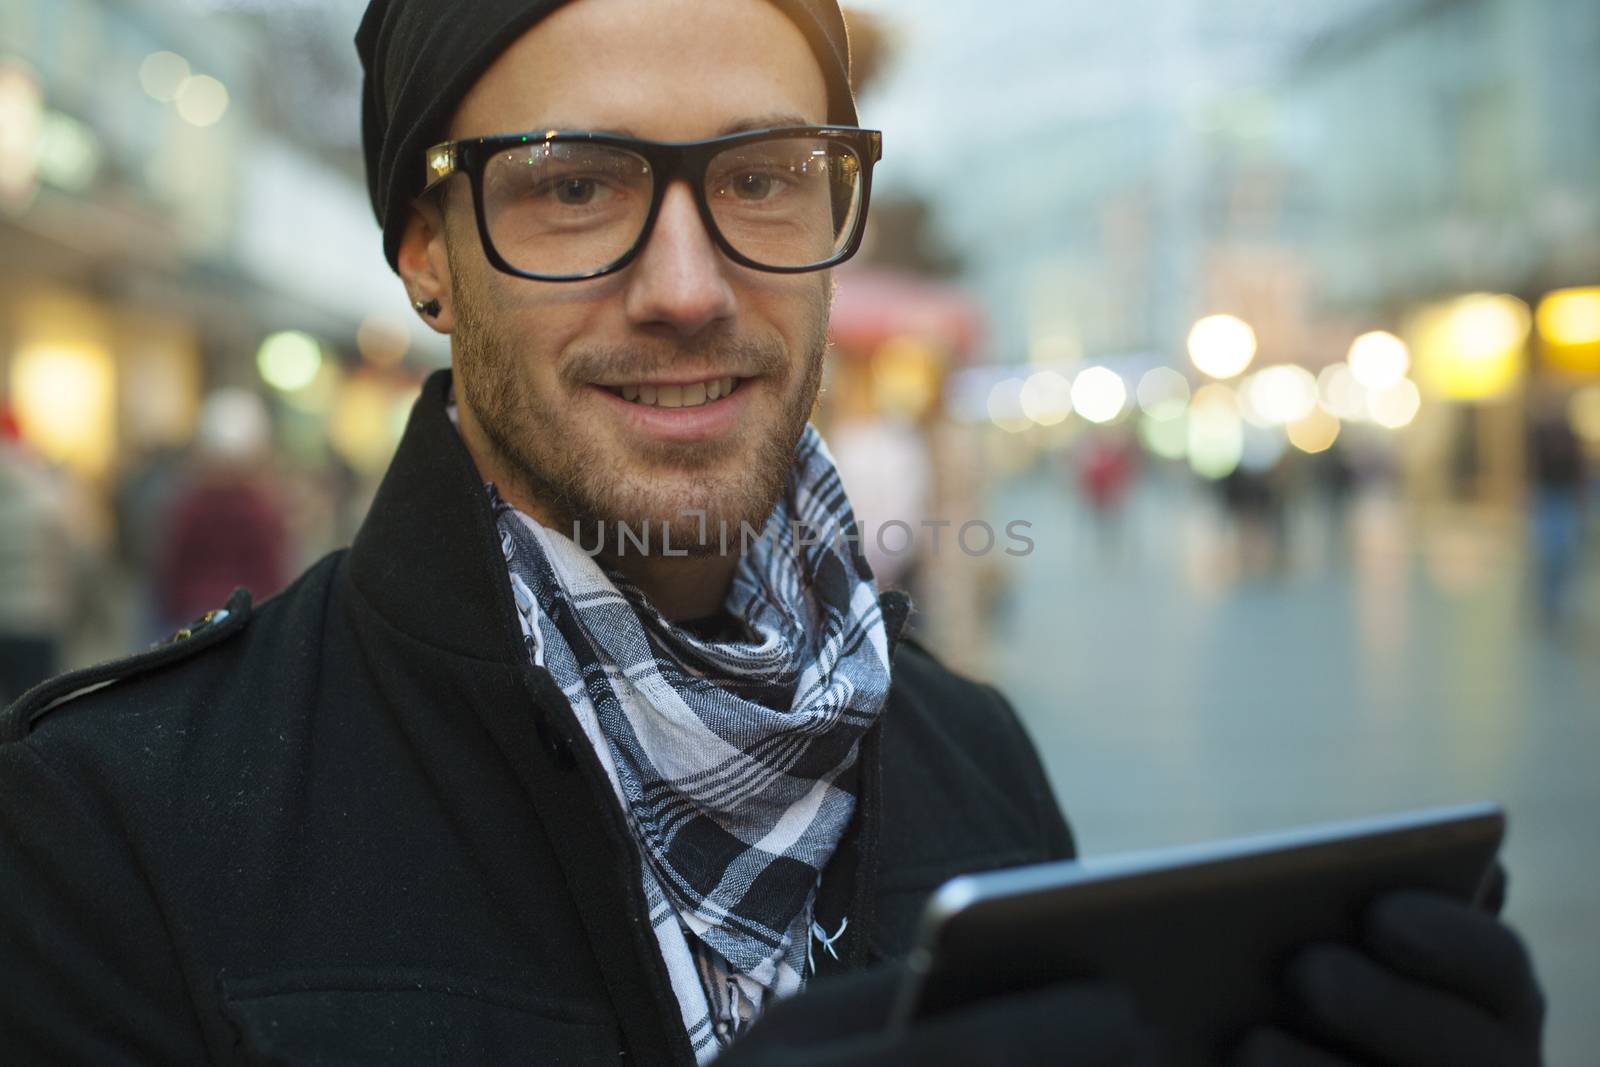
(209, 630)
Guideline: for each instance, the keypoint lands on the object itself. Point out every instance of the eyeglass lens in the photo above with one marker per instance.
(573, 207)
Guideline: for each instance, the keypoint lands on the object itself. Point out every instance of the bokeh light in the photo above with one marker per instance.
(1222, 346)
(1471, 348)
(362, 429)
(68, 152)
(65, 397)
(1569, 325)
(289, 361)
(1315, 433)
(1378, 359)
(1046, 397)
(1163, 393)
(1279, 394)
(1099, 394)
(162, 73)
(1340, 395)
(202, 100)
(1396, 406)
(1165, 437)
(1005, 406)
(21, 112)
(1570, 317)
(1215, 432)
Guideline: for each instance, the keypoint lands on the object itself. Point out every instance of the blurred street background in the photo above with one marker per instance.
(1249, 353)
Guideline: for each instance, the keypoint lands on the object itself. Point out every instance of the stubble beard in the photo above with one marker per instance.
(554, 459)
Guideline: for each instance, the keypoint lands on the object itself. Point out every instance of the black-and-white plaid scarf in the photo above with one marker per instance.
(730, 757)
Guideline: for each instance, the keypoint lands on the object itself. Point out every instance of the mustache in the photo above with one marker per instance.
(744, 357)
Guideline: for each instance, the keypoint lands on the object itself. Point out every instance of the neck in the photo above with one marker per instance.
(684, 587)
(680, 587)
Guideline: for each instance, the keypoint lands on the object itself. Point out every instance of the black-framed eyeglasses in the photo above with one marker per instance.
(564, 206)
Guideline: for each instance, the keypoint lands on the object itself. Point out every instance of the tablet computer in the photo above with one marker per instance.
(1198, 933)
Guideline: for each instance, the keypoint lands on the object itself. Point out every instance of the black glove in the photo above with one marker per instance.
(1435, 983)
(839, 1023)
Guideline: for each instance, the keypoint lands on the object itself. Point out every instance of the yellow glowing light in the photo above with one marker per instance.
(202, 100)
(1315, 433)
(905, 376)
(65, 398)
(1005, 406)
(1569, 324)
(162, 73)
(1166, 437)
(1395, 406)
(1570, 317)
(1222, 346)
(1378, 359)
(1583, 410)
(1278, 394)
(1471, 348)
(1046, 398)
(1098, 394)
(362, 428)
(289, 361)
(1163, 393)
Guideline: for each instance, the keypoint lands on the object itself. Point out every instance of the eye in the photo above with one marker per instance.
(753, 186)
(576, 191)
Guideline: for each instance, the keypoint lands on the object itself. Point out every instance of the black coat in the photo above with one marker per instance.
(354, 825)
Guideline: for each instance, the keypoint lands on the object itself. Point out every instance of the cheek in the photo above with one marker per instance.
(795, 308)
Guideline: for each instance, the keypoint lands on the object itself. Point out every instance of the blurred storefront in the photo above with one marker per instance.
(166, 222)
(897, 338)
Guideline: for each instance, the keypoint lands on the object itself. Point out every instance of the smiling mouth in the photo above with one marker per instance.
(690, 395)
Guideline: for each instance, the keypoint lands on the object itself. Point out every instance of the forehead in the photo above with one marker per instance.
(659, 69)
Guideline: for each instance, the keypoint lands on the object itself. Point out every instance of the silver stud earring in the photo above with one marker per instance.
(429, 308)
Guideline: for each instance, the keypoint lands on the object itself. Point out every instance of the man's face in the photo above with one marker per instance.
(537, 362)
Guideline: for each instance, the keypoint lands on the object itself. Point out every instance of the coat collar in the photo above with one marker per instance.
(428, 557)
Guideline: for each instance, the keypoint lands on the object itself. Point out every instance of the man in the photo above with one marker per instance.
(467, 793)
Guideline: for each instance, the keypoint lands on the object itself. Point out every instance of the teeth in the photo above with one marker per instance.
(678, 396)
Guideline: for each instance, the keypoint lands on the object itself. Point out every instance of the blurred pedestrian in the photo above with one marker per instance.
(1557, 491)
(1105, 475)
(224, 524)
(36, 587)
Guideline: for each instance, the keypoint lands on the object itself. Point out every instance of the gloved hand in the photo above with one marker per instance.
(839, 1023)
(1435, 983)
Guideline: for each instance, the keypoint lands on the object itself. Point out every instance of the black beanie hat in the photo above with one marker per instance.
(422, 56)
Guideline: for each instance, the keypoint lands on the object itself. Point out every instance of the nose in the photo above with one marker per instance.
(677, 282)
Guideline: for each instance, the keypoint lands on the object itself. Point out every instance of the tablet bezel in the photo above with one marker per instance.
(1353, 849)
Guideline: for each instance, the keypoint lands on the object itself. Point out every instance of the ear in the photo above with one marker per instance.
(425, 263)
